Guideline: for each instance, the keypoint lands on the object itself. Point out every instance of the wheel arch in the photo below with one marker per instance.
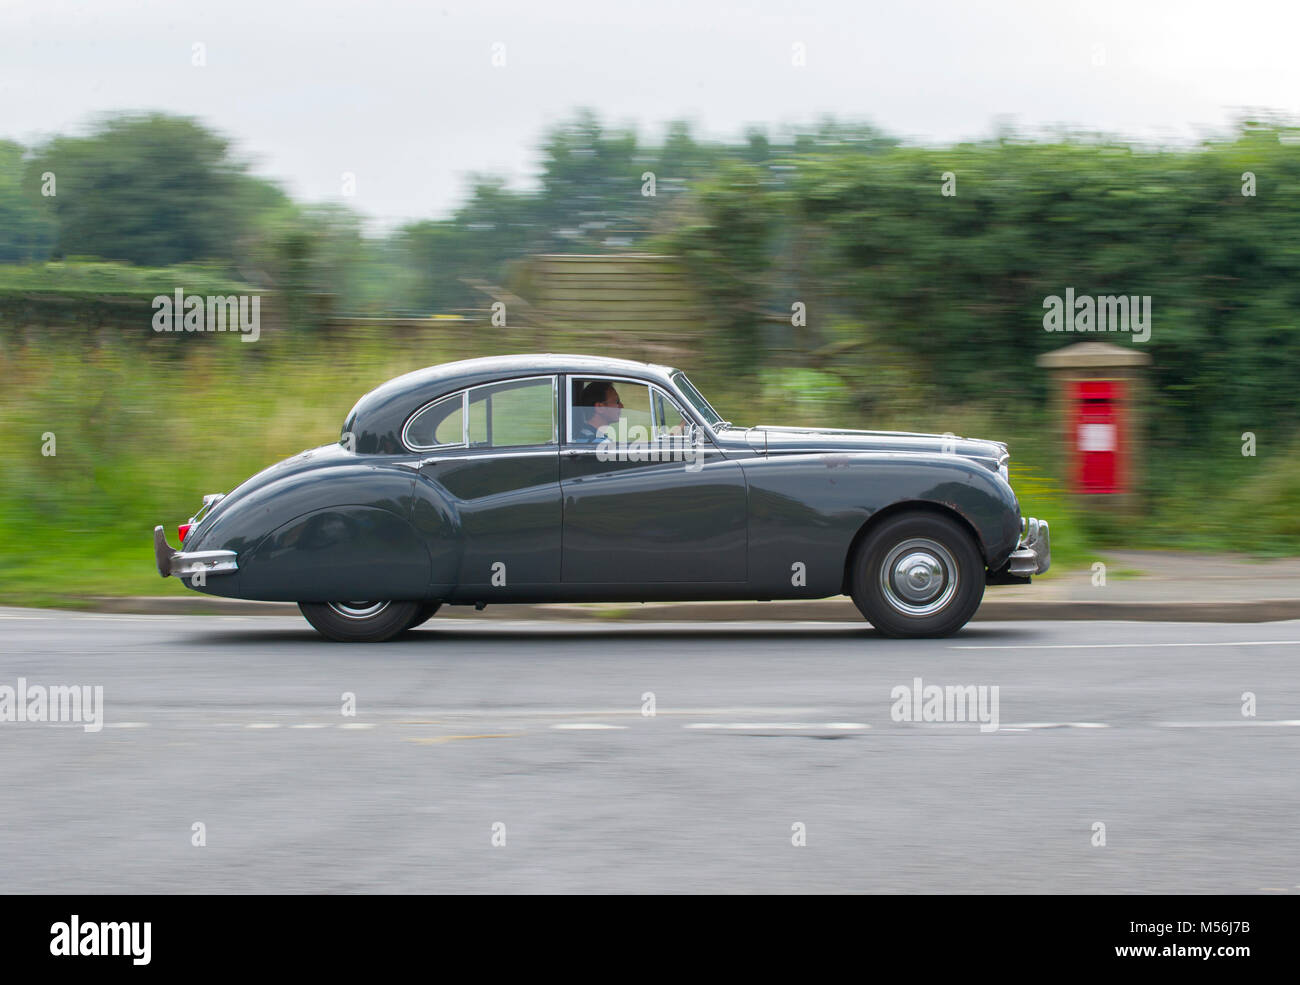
(897, 509)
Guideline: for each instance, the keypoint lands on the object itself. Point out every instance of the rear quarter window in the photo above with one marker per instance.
(441, 423)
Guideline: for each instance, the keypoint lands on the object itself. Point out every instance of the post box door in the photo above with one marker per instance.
(1097, 436)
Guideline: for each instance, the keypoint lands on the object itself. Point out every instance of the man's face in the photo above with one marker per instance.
(609, 410)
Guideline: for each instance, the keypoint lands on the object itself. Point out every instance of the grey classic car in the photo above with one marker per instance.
(546, 478)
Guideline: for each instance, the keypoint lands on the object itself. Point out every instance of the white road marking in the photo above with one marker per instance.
(786, 726)
(1244, 723)
(1112, 646)
(632, 711)
(635, 627)
(87, 614)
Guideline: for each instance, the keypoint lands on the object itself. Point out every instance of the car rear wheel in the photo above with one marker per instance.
(361, 621)
(918, 574)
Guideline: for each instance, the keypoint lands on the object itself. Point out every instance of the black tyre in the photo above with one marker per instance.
(424, 613)
(918, 574)
(361, 622)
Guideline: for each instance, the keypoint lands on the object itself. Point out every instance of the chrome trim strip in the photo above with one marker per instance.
(511, 452)
(464, 423)
(559, 433)
(514, 452)
(590, 449)
(672, 375)
(464, 411)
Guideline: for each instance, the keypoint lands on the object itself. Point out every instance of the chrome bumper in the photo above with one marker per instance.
(1033, 555)
(182, 565)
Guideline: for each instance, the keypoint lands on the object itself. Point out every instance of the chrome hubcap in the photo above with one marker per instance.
(918, 577)
(358, 610)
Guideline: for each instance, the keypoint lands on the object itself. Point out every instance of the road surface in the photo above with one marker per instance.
(471, 732)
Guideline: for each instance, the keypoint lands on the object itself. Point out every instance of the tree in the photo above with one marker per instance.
(27, 229)
(151, 190)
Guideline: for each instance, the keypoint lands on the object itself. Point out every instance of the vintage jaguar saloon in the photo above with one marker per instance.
(545, 478)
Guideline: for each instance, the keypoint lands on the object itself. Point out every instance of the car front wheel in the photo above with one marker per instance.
(917, 575)
(361, 621)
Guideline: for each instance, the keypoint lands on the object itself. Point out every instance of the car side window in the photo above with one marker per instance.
(637, 416)
(633, 422)
(441, 423)
(512, 414)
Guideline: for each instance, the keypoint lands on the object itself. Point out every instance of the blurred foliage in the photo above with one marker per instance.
(955, 285)
(94, 278)
(27, 230)
(924, 311)
(139, 440)
(151, 190)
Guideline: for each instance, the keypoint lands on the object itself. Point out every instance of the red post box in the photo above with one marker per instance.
(1098, 432)
(1097, 396)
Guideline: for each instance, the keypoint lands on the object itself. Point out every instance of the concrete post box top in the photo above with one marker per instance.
(1092, 355)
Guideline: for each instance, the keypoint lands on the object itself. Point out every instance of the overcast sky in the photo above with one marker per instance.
(406, 95)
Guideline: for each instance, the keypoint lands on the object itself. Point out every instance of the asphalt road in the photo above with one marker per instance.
(236, 722)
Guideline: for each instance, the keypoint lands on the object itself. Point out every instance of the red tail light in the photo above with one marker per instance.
(183, 529)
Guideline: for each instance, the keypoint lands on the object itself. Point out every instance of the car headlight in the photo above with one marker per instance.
(1004, 468)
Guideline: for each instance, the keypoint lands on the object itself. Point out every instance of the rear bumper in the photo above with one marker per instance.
(1032, 556)
(173, 562)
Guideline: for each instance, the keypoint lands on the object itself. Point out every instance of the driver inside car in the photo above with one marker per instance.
(598, 406)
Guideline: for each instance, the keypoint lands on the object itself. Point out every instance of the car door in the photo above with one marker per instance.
(646, 506)
(502, 481)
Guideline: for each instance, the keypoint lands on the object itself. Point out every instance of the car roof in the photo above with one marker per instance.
(504, 366)
(377, 418)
